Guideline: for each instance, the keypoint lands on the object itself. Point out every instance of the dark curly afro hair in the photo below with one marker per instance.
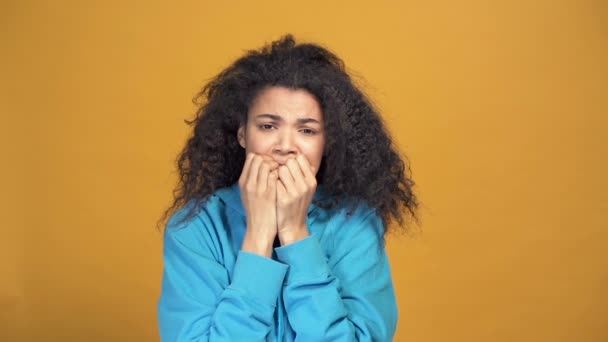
(360, 161)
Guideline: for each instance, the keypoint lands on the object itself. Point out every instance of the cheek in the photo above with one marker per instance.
(314, 153)
(257, 143)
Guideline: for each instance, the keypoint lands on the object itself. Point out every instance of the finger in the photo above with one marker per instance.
(287, 179)
(253, 172)
(274, 165)
(271, 162)
(306, 168)
(281, 191)
(296, 173)
(262, 180)
(272, 182)
(246, 167)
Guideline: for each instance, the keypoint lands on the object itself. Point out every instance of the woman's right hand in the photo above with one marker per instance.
(258, 193)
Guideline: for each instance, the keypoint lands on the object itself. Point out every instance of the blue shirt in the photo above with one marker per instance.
(332, 285)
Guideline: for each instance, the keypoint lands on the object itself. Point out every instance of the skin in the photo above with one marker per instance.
(284, 141)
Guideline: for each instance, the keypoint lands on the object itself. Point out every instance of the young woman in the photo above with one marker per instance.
(286, 188)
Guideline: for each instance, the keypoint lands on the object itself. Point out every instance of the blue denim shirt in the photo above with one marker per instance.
(333, 285)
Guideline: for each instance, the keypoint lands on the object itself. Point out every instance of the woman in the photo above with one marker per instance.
(277, 229)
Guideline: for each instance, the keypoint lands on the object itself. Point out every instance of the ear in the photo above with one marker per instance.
(240, 135)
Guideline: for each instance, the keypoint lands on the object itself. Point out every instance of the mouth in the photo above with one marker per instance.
(282, 161)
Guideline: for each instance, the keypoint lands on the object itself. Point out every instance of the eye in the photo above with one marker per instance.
(308, 131)
(266, 126)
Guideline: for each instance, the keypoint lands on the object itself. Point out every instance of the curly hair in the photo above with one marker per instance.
(359, 160)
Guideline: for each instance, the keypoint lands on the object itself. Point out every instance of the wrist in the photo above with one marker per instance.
(290, 235)
(256, 243)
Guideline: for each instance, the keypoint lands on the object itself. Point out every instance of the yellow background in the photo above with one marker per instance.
(500, 105)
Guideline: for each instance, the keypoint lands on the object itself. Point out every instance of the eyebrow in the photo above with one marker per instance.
(279, 118)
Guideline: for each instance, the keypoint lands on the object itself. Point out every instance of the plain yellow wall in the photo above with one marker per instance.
(500, 105)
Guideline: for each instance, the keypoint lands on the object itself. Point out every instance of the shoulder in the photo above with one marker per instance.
(193, 213)
(351, 210)
(354, 229)
(355, 219)
(199, 222)
(201, 210)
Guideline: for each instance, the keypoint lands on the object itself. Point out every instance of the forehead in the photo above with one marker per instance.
(285, 102)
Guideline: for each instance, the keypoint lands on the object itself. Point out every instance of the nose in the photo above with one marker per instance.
(285, 144)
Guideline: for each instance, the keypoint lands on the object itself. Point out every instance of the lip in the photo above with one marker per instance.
(282, 161)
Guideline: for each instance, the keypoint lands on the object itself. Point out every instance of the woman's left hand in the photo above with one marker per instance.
(295, 190)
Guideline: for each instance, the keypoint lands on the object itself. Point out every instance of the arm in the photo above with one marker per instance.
(349, 297)
(199, 299)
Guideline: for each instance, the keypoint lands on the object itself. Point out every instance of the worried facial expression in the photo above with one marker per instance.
(283, 123)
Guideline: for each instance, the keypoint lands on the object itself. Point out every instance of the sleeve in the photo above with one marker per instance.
(349, 297)
(198, 302)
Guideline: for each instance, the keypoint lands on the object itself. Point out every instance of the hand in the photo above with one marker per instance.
(258, 185)
(295, 189)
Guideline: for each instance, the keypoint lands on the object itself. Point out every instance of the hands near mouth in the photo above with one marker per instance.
(276, 200)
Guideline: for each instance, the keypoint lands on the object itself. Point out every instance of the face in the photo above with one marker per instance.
(284, 123)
